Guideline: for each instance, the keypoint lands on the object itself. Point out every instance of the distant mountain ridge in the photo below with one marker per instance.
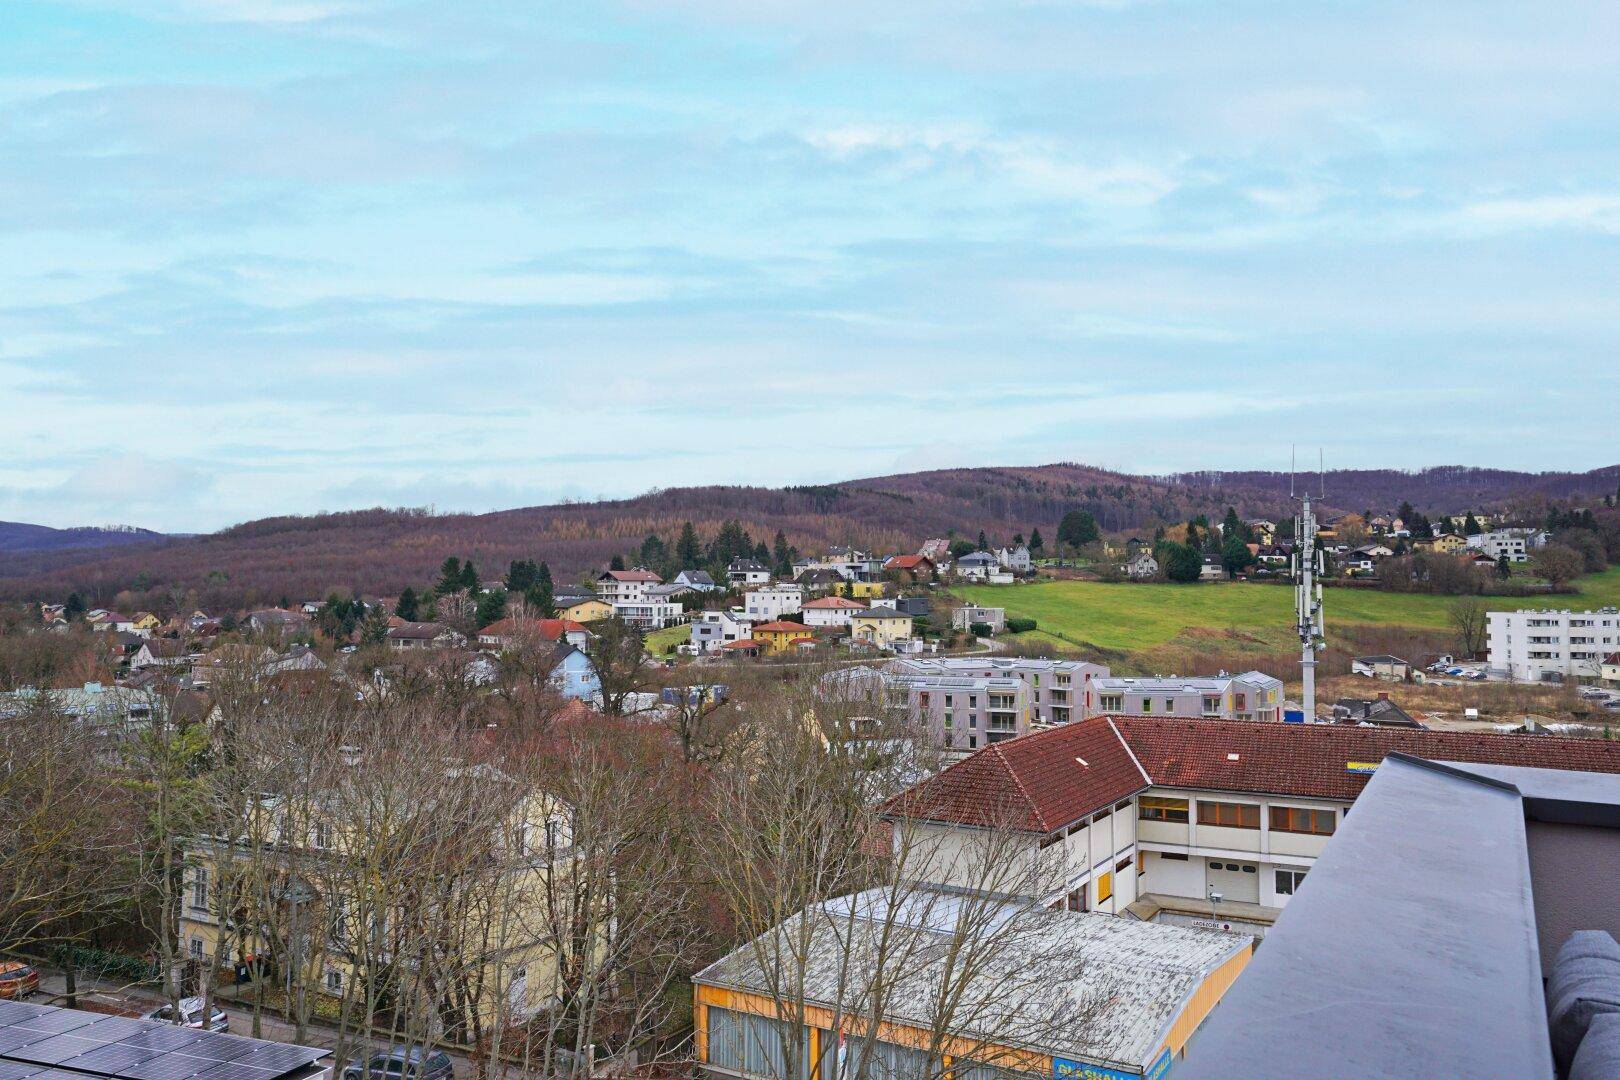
(380, 551)
(17, 537)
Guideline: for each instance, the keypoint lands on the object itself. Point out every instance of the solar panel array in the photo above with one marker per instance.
(40, 1042)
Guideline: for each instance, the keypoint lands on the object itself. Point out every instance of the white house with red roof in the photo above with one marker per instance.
(626, 586)
(831, 611)
(513, 632)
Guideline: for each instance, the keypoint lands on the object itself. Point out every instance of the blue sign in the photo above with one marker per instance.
(1064, 1069)
(1159, 1068)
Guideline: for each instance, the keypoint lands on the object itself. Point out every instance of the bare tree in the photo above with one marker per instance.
(1468, 617)
(618, 653)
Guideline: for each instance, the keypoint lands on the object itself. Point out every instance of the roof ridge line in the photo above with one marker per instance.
(1126, 744)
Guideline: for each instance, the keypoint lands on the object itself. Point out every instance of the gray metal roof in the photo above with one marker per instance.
(1128, 980)
(1412, 948)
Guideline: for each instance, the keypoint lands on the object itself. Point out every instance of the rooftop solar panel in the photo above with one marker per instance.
(46, 1043)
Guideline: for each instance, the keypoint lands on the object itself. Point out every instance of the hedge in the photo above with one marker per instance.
(1020, 626)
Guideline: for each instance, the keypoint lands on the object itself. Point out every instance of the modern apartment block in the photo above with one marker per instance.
(772, 602)
(1252, 695)
(1057, 690)
(1513, 544)
(964, 713)
(1540, 646)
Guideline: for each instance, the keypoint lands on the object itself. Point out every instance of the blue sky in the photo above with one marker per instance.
(268, 256)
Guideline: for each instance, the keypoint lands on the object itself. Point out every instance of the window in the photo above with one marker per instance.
(973, 742)
(199, 889)
(1289, 881)
(1123, 864)
(196, 948)
(334, 981)
(1229, 815)
(1125, 805)
(1152, 808)
(1147, 705)
(1105, 887)
(1212, 705)
(1169, 704)
(1300, 819)
(1141, 863)
(1173, 856)
(947, 721)
(1111, 702)
(323, 834)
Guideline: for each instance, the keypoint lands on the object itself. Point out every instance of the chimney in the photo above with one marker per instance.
(1383, 695)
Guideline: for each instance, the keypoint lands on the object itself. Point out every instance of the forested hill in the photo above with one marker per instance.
(381, 551)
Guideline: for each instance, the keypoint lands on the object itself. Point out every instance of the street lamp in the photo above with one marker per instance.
(1214, 905)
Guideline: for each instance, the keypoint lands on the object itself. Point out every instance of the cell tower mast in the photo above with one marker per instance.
(1307, 564)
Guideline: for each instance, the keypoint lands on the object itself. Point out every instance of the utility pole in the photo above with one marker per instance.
(1307, 601)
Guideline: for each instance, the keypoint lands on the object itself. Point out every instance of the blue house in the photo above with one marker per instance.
(574, 676)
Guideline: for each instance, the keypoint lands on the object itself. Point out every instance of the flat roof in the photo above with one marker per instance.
(1082, 985)
(44, 1042)
(1412, 948)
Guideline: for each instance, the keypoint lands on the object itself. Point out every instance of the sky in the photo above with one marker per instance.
(288, 256)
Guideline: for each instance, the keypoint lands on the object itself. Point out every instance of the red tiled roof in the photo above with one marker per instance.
(906, 562)
(632, 575)
(1038, 781)
(782, 627)
(834, 602)
(742, 643)
(550, 629)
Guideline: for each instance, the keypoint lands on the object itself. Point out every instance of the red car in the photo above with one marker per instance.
(17, 980)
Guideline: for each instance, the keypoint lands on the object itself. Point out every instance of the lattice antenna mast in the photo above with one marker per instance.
(1307, 566)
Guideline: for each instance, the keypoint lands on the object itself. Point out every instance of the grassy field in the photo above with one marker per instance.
(1142, 616)
(659, 641)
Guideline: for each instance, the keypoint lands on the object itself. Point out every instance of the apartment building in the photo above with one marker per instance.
(1252, 695)
(1057, 690)
(649, 613)
(626, 586)
(964, 713)
(1512, 544)
(713, 629)
(773, 602)
(1539, 646)
(1182, 819)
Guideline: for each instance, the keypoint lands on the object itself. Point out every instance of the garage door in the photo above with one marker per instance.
(1233, 880)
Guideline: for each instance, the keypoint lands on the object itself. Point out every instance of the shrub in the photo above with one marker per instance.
(979, 629)
(1020, 626)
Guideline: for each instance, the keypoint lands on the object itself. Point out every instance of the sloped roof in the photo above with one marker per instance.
(781, 626)
(834, 603)
(1048, 779)
(631, 576)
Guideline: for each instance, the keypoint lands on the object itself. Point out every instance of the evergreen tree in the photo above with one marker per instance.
(491, 607)
(449, 576)
(521, 575)
(406, 607)
(782, 556)
(1018, 540)
(74, 608)
(762, 554)
(469, 578)
(1235, 554)
(1180, 562)
(1233, 525)
(616, 563)
(984, 545)
(687, 551)
(1035, 542)
(540, 599)
(374, 628)
(1077, 529)
(1504, 569)
(654, 553)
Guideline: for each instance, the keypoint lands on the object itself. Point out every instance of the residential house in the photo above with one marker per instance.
(297, 658)
(977, 566)
(914, 606)
(910, 567)
(819, 580)
(880, 627)
(240, 661)
(1263, 531)
(1142, 565)
(780, 637)
(586, 610)
(279, 622)
(1381, 666)
(573, 675)
(419, 636)
(649, 613)
(696, 580)
(1213, 569)
(103, 621)
(1252, 695)
(1379, 711)
(563, 596)
(995, 618)
(145, 621)
(772, 602)
(1356, 563)
(1450, 544)
(1017, 559)
(1609, 669)
(830, 611)
(625, 586)
(159, 652)
(513, 632)
(713, 629)
(745, 572)
(866, 590)
(1551, 646)
(936, 550)
(95, 705)
(744, 649)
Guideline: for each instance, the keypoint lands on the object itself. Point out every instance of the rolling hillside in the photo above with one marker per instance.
(381, 551)
(17, 537)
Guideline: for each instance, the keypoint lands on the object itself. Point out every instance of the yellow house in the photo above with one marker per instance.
(145, 620)
(1451, 544)
(865, 590)
(879, 626)
(319, 904)
(779, 637)
(586, 611)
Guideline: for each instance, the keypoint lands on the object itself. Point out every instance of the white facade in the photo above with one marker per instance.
(1058, 691)
(649, 614)
(625, 586)
(772, 602)
(1503, 542)
(1533, 646)
(831, 612)
(712, 629)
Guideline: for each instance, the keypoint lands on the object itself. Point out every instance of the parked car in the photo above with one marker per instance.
(17, 980)
(191, 1015)
(401, 1061)
(1592, 692)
